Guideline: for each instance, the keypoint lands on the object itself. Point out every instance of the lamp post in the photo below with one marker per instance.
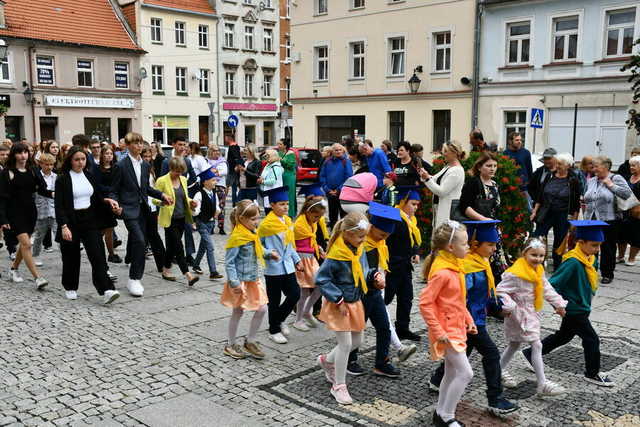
(28, 95)
(414, 81)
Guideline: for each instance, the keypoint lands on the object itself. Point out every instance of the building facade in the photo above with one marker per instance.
(83, 82)
(554, 56)
(352, 61)
(286, 109)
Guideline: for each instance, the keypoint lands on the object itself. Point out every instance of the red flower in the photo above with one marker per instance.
(505, 236)
(505, 180)
(518, 180)
(512, 188)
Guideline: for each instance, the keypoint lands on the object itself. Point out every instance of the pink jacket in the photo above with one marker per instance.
(359, 188)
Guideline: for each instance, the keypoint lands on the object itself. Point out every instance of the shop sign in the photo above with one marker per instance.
(88, 102)
(250, 106)
(5, 100)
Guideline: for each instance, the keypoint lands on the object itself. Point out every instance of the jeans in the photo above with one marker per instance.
(399, 283)
(490, 363)
(560, 224)
(43, 227)
(234, 193)
(276, 286)
(206, 245)
(375, 310)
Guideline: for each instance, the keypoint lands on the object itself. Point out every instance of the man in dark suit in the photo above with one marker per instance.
(130, 189)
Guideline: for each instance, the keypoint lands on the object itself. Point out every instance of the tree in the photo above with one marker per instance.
(634, 66)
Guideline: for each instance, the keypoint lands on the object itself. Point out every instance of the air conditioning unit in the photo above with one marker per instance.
(296, 57)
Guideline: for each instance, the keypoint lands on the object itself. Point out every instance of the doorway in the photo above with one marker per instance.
(48, 128)
(203, 127)
(124, 127)
(268, 131)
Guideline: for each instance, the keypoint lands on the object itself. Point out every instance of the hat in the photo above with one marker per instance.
(311, 190)
(206, 175)
(548, 153)
(589, 230)
(279, 194)
(383, 217)
(483, 231)
(408, 192)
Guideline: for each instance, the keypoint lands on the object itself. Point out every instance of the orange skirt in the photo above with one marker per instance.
(253, 296)
(437, 349)
(307, 277)
(335, 321)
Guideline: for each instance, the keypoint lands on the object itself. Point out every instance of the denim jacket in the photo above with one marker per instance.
(478, 300)
(335, 279)
(288, 255)
(241, 264)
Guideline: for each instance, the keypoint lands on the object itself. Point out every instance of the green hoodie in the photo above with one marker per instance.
(570, 280)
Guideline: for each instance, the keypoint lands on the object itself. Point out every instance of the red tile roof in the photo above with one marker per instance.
(84, 22)
(201, 6)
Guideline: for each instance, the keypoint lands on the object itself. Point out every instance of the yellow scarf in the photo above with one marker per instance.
(303, 230)
(523, 270)
(323, 227)
(383, 251)
(272, 225)
(241, 235)
(447, 260)
(412, 224)
(587, 261)
(474, 263)
(340, 252)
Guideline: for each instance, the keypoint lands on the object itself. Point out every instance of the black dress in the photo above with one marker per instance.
(106, 217)
(17, 204)
(631, 225)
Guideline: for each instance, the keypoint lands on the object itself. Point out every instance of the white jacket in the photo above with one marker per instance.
(449, 189)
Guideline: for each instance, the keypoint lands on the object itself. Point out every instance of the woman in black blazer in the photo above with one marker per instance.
(81, 210)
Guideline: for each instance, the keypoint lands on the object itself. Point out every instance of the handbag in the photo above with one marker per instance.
(455, 213)
(625, 205)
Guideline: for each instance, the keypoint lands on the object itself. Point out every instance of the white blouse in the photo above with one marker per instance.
(82, 190)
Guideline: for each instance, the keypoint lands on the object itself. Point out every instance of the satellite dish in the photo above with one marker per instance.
(143, 73)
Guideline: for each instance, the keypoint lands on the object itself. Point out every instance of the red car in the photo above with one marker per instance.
(308, 162)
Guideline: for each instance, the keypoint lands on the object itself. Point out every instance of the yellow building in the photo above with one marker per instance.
(353, 60)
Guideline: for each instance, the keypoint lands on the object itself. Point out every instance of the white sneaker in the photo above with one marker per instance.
(508, 381)
(41, 283)
(48, 250)
(341, 394)
(550, 389)
(312, 322)
(112, 276)
(406, 351)
(285, 330)
(15, 276)
(301, 326)
(71, 294)
(110, 296)
(38, 263)
(12, 257)
(135, 288)
(630, 263)
(278, 338)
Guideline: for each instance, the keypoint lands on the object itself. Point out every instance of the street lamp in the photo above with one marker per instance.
(28, 95)
(414, 81)
(4, 47)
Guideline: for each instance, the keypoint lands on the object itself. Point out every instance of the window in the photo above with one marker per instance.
(357, 4)
(620, 29)
(204, 82)
(267, 4)
(357, 60)
(515, 121)
(396, 56)
(267, 40)
(287, 50)
(181, 80)
(230, 83)
(248, 2)
(156, 30)
(203, 36)
(248, 37)
(321, 7)
(288, 6)
(4, 69)
(85, 72)
(121, 70)
(157, 78)
(322, 63)
(441, 128)
(98, 128)
(45, 70)
(396, 127)
(266, 86)
(565, 38)
(442, 52)
(180, 34)
(287, 90)
(518, 42)
(228, 35)
(248, 85)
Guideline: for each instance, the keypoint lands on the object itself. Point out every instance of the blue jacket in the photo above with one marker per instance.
(522, 158)
(478, 300)
(336, 280)
(288, 256)
(335, 172)
(378, 164)
(240, 264)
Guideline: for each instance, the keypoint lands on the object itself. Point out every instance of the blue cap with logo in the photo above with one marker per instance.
(383, 217)
(206, 175)
(408, 192)
(279, 194)
(592, 230)
(483, 231)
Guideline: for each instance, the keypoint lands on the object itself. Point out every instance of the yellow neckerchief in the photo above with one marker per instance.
(272, 225)
(412, 224)
(447, 260)
(383, 251)
(523, 270)
(474, 263)
(241, 235)
(340, 252)
(303, 230)
(323, 227)
(587, 261)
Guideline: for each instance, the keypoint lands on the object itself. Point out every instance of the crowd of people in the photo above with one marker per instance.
(349, 269)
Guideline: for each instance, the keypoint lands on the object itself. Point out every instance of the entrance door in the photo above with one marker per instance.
(48, 128)
(203, 126)
(267, 133)
(124, 127)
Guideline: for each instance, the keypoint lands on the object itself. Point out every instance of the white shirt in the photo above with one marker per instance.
(198, 199)
(199, 164)
(137, 168)
(50, 180)
(82, 190)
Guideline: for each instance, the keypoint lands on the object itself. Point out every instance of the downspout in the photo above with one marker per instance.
(476, 64)
(33, 102)
(219, 122)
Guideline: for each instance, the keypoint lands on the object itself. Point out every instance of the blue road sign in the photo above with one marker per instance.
(233, 121)
(537, 118)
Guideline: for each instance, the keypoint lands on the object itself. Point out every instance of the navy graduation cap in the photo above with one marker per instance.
(383, 217)
(311, 190)
(206, 175)
(279, 194)
(408, 192)
(589, 230)
(483, 231)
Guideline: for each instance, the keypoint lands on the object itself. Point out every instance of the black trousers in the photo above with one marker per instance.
(276, 286)
(375, 310)
(335, 210)
(174, 249)
(91, 238)
(155, 241)
(609, 248)
(11, 241)
(136, 243)
(399, 284)
(46, 242)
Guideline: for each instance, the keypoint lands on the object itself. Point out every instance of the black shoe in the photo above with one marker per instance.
(408, 335)
(114, 259)
(215, 275)
(606, 280)
(501, 406)
(600, 379)
(197, 270)
(193, 281)
(190, 260)
(221, 232)
(354, 369)
(117, 243)
(438, 421)
(387, 370)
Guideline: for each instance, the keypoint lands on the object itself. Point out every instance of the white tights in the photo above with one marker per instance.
(308, 297)
(347, 342)
(395, 340)
(457, 374)
(256, 321)
(536, 358)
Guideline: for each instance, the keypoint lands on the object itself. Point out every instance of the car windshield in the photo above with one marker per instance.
(309, 158)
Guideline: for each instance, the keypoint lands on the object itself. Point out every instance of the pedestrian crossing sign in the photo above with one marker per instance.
(537, 118)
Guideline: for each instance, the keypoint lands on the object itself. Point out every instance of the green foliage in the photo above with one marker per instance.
(3, 110)
(634, 66)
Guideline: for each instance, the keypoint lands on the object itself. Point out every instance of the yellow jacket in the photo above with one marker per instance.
(166, 211)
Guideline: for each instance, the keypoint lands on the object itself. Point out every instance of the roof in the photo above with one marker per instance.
(200, 6)
(85, 22)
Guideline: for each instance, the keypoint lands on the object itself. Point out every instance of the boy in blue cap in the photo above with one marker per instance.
(576, 280)
(205, 215)
(481, 298)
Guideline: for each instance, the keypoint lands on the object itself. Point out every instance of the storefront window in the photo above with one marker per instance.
(167, 128)
(98, 128)
(249, 134)
(333, 129)
(14, 127)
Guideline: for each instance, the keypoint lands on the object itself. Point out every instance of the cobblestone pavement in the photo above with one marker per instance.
(158, 361)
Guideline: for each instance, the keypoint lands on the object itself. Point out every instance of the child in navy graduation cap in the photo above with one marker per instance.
(577, 281)
(205, 215)
(481, 298)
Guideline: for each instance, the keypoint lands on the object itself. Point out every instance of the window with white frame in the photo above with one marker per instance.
(356, 50)
(4, 69)
(518, 42)
(267, 86)
(121, 75)
(620, 30)
(45, 70)
(322, 63)
(230, 83)
(248, 37)
(396, 56)
(321, 7)
(565, 38)
(248, 2)
(267, 38)
(268, 4)
(85, 72)
(287, 50)
(180, 34)
(442, 52)
(248, 85)
(288, 90)
(157, 78)
(229, 30)
(357, 4)
(515, 121)
(204, 81)
(156, 30)
(203, 36)
(181, 80)
(288, 6)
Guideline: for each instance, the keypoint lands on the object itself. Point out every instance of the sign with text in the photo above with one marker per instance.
(240, 106)
(88, 102)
